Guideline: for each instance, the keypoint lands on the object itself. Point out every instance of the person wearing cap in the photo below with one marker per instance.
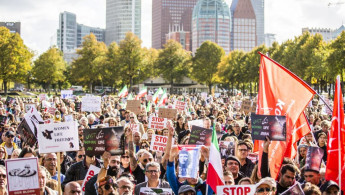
(265, 186)
(233, 165)
(152, 172)
(330, 188)
(107, 186)
(186, 190)
(9, 143)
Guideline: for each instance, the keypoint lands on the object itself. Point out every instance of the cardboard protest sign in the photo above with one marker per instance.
(134, 106)
(10, 100)
(246, 106)
(199, 123)
(180, 105)
(159, 142)
(167, 113)
(155, 191)
(26, 134)
(58, 137)
(314, 158)
(77, 106)
(236, 190)
(200, 136)
(296, 189)
(92, 171)
(157, 122)
(28, 106)
(22, 176)
(189, 162)
(268, 125)
(227, 148)
(66, 94)
(110, 139)
(91, 104)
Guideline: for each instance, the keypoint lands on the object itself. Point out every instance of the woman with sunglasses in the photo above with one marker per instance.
(3, 155)
(133, 121)
(124, 167)
(266, 186)
(144, 144)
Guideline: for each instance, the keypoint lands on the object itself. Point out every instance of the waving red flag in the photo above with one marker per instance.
(280, 93)
(336, 141)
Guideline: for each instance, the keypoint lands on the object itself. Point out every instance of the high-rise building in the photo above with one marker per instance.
(243, 26)
(259, 9)
(337, 31)
(325, 32)
(83, 30)
(269, 39)
(14, 27)
(122, 16)
(170, 13)
(181, 36)
(211, 22)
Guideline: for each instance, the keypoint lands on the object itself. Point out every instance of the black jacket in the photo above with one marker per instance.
(247, 168)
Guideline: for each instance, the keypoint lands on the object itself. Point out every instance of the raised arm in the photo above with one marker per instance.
(133, 161)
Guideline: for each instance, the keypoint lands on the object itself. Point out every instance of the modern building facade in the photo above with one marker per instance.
(181, 36)
(170, 13)
(269, 39)
(325, 32)
(211, 22)
(122, 16)
(337, 31)
(243, 26)
(259, 9)
(83, 30)
(14, 27)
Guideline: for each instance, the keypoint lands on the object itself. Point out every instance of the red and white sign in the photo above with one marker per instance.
(93, 170)
(180, 105)
(133, 127)
(51, 110)
(159, 142)
(236, 190)
(157, 122)
(42, 96)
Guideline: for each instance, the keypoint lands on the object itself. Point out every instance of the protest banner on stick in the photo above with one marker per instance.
(157, 122)
(134, 106)
(159, 142)
(92, 171)
(200, 136)
(268, 125)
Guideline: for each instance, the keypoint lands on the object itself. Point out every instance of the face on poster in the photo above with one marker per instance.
(189, 162)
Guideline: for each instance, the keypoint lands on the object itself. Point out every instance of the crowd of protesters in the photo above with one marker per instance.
(140, 167)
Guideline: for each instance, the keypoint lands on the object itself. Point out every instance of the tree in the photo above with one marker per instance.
(15, 58)
(49, 67)
(205, 63)
(130, 55)
(86, 69)
(173, 63)
(148, 64)
(109, 76)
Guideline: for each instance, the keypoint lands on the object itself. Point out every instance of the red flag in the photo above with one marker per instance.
(280, 93)
(336, 141)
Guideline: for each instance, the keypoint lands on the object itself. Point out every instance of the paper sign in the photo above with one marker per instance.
(254, 157)
(155, 191)
(77, 106)
(199, 123)
(296, 189)
(204, 95)
(268, 125)
(68, 118)
(26, 134)
(314, 158)
(159, 142)
(167, 113)
(91, 104)
(51, 110)
(58, 137)
(110, 139)
(22, 176)
(66, 94)
(28, 106)
(92, 171)
(180, 105)
(157, 122)
(246, 106)
(45, 104)
(200, 136)
(134, 106)
(133, 127)
(227, 148)
(189, 162)
(236, 190)
(42, 97)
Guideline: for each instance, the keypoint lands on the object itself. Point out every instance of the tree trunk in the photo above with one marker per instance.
(130, 83)
(5, 87)
(210, 88)
(250, 86)
(90, 87)
(171, 86)
(48, 89)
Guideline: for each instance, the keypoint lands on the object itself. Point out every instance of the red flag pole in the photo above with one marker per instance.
(339, 130)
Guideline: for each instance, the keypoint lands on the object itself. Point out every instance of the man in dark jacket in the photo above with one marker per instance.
(247, 165)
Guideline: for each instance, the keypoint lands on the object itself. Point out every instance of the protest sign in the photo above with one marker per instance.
(58, 137)
(134, 106)
(189, 162)
(110, 139)
(26, 134)
(66, 94)
(236, 190)
(10, 100)
(200, 136)
(268, 125)
(77, 106)
(51, 110)
(204, 95)
(91, 104)
(159, 142)
(92, 171)
(46, 104)
(3, 119)
(254, 157)
(168, 113)
(296, 189)
(180, 105)
(227, 148)
(68, 118)
(32, 119)
(22, 176)
(133, 127)
(246, 106)
(217, 95)
(157, 122)
(42, 96)
(253, 107)
(155, 191)
(314, 158)
(199, 123)
(28, 106)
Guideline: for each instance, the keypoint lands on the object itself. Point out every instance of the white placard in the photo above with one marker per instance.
(58, 137)
(159, 142)
(199, 123)
(180, 105)
(22, 176)
(43, 96)
(66, 94)
(236, 190)
(91, 104)
(93, 170)
(68, 118)
(133, 127)
(157, 122)
(155, 191)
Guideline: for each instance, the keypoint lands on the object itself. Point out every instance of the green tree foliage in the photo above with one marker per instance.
(87, 68)
(205, 63)
(336, 59)
(111, 77)
(148, 64)
(15, 58)
(173, 63)
(49, 67)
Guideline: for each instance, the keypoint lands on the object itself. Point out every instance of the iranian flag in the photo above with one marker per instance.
(148, 107)
(215, 170)
(130, 97)
(155, 97)
(123, 92)
(141, 93)
(163, 99)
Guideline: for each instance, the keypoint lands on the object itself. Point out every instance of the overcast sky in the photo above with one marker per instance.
(39, 18)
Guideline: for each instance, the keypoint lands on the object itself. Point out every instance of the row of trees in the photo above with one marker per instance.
(127, 63)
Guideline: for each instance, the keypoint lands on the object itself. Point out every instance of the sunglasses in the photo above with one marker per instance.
(81, 156)
(124, 156)
(108, 186)
(10, 136)
(263, 190)
(152, 171)
(144, 146)
(147, 160)
(3, 176)
(131, 117)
